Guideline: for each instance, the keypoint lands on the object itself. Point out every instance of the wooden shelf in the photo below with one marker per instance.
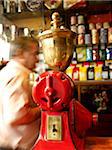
(26, 14)
(91, 7)
(93, 82)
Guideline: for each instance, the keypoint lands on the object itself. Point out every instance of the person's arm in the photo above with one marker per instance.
(18, 109)
(32, 115)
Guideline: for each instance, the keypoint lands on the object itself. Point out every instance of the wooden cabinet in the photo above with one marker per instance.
(86, 91)
(80, 84)
(95, 95)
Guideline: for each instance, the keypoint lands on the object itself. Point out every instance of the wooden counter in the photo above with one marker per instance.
(98, 143)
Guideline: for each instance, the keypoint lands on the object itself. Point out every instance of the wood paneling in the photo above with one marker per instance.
(98, 143)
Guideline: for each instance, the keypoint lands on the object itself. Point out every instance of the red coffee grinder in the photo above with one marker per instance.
(63, 119)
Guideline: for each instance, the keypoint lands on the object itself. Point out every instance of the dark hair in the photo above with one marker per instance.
(21, 44)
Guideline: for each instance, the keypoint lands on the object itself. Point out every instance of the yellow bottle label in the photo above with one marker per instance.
(83, 74)
(98, 73)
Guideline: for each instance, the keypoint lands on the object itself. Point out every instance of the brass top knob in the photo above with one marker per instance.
(55, 16)
(55, 20)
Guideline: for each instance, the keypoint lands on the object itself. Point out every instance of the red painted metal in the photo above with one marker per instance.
(54, 92)
(66, 142)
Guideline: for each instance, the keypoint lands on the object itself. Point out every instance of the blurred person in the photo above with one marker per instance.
(19, 115)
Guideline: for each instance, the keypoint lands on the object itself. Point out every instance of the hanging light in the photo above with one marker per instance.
(33, 5)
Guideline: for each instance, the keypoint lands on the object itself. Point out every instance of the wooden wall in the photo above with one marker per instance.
(33, 23)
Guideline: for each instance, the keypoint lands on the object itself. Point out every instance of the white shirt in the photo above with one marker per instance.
(15, 95)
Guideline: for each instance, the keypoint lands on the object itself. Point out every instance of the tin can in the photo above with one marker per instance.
(73, 28)
(80, 19)
(103, 35)
(73, 20)
(106, 25)
(110, 35)
(91, 26)
(87, 39)
(95, 36)
(81, 29)
(98, 25)
(81, 39)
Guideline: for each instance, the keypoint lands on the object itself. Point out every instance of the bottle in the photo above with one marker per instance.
(83, 71)
(102, 52)
(1, 31)
(74, 58)
(19, 6)
(95, 53)
(109, 52)
(90, 73)
(21, 31)
(12, 6)
(89, 54)
(69, 70)
(7, 6)
(4, 6)
(7, 33)
(75, 74)
(23, 5)
(13, 32)
(110, 71)
(98, 71)
(26, 31)
(105, 72)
